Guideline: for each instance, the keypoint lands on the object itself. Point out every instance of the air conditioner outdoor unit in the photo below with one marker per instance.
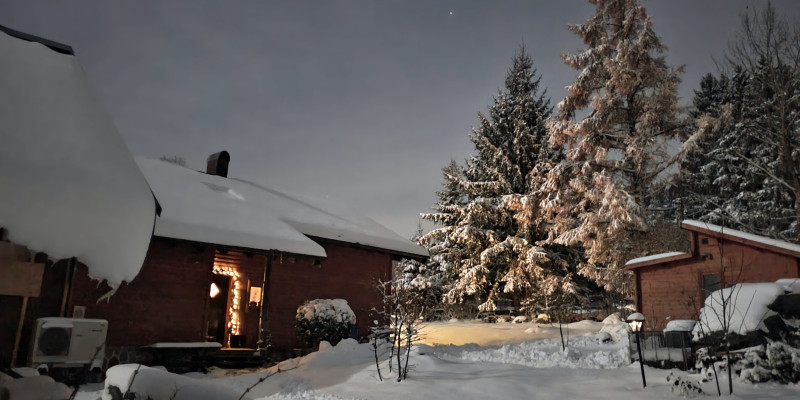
(65, 342)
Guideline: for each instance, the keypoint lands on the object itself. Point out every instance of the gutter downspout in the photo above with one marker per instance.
(263, 330)
(68, 275)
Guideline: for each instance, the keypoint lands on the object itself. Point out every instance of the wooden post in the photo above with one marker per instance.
(19, 331)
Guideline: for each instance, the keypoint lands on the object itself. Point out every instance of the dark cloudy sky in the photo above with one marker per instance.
(359, 101)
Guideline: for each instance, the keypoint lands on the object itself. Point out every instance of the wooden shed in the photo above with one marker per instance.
(673, 286)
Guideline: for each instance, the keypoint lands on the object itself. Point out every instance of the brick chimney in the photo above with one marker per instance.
(218, 164)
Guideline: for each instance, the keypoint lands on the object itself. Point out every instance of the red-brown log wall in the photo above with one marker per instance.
(167, 300)
(348, 273)
(673, 290)
(165, 303)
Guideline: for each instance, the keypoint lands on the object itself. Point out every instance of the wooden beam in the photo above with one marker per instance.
(18, 336)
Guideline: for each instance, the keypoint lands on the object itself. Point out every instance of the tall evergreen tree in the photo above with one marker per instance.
(486, 250)
(445, 254)
(744, 170)
(705, 171)
(617, 151)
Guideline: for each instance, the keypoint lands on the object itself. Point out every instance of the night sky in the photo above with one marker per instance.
(361, 102)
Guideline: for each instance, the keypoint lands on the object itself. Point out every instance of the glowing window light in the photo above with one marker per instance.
(214, 290)
(234, 323)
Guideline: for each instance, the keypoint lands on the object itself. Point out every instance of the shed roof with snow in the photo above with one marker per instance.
(215, 209)
(69, 187)
(749, 239)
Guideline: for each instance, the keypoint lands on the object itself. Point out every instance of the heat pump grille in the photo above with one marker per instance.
(55, 341)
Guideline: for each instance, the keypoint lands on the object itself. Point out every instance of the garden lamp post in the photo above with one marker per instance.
(636, 320)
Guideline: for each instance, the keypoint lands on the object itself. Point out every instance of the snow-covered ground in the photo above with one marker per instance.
(465, 360)
(530, 365)
(477, 332)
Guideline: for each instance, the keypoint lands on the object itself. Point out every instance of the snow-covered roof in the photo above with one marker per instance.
(656, 259)
(213, 209)
(743, 237)
(69, 186)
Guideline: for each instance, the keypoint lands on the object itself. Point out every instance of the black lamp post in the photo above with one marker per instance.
(636, 320)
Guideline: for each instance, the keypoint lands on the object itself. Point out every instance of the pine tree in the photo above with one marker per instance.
(616, 153)
(488, 248)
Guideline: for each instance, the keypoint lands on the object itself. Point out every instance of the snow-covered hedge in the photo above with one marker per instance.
(324, 319)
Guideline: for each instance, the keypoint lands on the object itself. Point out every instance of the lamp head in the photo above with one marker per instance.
(635, 321)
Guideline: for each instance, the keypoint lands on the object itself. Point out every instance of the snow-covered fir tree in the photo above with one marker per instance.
(743, 171)
(486, 251)
(706, 169)
(616, 122)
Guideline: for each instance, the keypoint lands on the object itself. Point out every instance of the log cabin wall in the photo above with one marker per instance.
(167, 301)
(349, 272)
(674, 290)
(164, 303)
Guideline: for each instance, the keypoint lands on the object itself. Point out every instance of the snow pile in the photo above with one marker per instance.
(36, 387)
(297, 377)
(616, 327)
(744, 305)
(586, 324)
(346, 352)
(327, 309)
(581, 352)
(70, 188)
(680, 325)
(156, 384)
(790, 285)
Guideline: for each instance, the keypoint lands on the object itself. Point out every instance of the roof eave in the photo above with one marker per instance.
(53, 45)
(658, 261)
(373, 248)
(242, 249)
(737, 239)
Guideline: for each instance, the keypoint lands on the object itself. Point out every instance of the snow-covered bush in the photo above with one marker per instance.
(408, 300)
(686, 385)
(324, 319)
(781, 363)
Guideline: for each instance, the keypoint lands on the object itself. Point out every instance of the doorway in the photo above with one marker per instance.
(218, 308)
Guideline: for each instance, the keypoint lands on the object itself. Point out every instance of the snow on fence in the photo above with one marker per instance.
(663, 349)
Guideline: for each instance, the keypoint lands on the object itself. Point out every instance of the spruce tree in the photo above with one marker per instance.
(616, 122)
(705, 172)
(487, 252)
(744, 170)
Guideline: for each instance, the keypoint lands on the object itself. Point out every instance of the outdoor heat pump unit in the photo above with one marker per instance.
(65, 342)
